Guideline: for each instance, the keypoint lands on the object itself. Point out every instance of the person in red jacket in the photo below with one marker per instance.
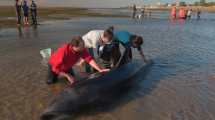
(63, 59)
(173, 13)
(182, 13)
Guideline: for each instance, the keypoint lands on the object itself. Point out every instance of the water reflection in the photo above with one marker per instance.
(35, 31)
(20, 32)
(27, 32)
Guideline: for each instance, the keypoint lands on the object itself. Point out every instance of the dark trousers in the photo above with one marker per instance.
(34, 17)
(127, 56)
(110, 55)
(53, 77)
(117, 59)
(19, 15)
(88, 68)
(134, 15)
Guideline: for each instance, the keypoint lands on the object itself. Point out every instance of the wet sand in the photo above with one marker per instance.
(179, 86)
(8, 14)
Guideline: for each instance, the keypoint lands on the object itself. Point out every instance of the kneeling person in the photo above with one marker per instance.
(63, 59)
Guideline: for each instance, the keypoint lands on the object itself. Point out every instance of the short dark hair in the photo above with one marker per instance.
(136, 40)
(77, 41)
(108, 33)
(111, 28)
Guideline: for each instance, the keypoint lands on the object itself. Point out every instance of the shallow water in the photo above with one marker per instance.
(179, 86)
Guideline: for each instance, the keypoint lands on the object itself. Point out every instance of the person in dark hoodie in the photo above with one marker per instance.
(198, 14)
(18, 7)
(26, 12)
(134, 11)
(33, 9)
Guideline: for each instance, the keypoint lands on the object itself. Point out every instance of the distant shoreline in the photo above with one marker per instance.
(8, 14)
(50, 13)
(202, 8)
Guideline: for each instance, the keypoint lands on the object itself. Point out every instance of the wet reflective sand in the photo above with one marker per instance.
(179, 86)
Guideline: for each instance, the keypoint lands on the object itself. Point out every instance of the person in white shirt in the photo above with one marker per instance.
(189, 13)
(95, 38)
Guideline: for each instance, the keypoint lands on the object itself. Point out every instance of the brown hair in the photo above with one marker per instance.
(136, 40)
(111, 28)
(77, 41)
(108, 33)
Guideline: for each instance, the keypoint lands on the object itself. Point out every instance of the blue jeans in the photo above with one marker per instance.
(127, 55)
(88, 68)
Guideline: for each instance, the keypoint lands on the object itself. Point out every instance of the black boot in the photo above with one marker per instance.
(52, 77)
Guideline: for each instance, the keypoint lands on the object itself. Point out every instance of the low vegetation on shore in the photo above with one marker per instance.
(8, 14)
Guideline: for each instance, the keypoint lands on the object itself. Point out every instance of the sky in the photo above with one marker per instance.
(96, 3)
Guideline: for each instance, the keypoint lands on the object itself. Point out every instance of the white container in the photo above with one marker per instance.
(46, 53)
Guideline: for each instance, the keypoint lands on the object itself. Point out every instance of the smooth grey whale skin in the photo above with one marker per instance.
(71, 99)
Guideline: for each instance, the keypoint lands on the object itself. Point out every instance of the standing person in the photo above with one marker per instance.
(25, 10)
(18, 7)
(150, 13)
(198, 14)
(189, 13)
(173, 13)
(182, 13)
(34, 13)
(134, 11)
(63, 59)
(185, 11)
(143, 12)
(94, 38)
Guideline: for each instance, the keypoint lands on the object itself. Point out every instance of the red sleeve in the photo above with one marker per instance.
(86, 56)
(56, 59)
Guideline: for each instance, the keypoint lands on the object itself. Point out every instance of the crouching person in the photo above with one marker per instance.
(63, 59)
(109, 54)
(129, 41)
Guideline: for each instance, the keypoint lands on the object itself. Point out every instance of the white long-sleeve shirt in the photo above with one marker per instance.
(93, 38)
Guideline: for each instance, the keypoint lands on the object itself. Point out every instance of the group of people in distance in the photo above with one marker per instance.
(22, 9)
(144, 13)
(81, 49)
(183, 14)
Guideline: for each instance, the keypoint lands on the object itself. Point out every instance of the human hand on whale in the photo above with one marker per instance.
(104, 70)
(69, 77)
(72, 79)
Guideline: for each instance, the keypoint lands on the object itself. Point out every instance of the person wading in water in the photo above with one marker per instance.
(34, 13)
(18, 7)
